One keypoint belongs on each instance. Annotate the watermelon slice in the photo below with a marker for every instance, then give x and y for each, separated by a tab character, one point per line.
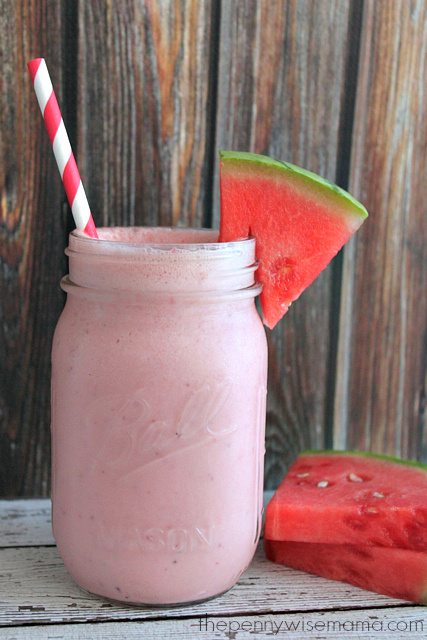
351	498
398	573
299	220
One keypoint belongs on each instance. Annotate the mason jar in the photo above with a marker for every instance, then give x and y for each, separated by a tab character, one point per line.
159	370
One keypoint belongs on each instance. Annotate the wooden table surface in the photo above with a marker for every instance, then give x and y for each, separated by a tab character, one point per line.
38	599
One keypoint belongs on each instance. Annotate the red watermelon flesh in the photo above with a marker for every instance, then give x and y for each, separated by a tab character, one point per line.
398	573
299	220
351	498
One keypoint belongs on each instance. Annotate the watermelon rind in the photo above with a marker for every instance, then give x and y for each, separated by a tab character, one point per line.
266	163
365	454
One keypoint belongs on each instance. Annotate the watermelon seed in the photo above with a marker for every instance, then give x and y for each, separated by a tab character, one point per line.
377	495
354	478
371	510
322	483
302	475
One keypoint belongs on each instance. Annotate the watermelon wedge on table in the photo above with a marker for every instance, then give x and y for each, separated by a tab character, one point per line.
355	517
351	498
300	221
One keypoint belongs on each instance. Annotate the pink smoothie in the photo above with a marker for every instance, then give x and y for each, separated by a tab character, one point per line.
159	372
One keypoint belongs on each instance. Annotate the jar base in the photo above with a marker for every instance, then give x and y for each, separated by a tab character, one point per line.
149	605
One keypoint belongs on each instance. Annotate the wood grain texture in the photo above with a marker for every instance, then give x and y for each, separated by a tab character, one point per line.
382	366
374	623
25	523
281	91
144	110
32	235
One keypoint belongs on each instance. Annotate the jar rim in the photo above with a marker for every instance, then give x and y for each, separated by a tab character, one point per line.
161	266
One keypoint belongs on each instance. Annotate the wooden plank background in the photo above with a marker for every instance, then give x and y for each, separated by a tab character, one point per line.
150	90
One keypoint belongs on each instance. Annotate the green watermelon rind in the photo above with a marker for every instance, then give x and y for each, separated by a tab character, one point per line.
367	454
264	163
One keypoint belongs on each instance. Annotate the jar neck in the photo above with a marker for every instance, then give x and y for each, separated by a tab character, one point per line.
156	261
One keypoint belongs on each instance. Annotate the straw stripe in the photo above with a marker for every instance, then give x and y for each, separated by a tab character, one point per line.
71	180
61	146
33	66
52	118
42	85
90	228
80	207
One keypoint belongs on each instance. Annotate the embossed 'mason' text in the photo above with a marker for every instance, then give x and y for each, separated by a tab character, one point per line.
156	539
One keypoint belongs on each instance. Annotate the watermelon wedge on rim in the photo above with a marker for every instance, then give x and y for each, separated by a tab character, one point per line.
300	221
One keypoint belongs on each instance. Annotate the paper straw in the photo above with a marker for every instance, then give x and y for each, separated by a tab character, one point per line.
61	147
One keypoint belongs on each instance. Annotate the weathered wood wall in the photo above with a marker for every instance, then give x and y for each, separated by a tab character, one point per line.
150	90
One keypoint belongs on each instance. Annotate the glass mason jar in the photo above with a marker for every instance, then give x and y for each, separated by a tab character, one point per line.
159	370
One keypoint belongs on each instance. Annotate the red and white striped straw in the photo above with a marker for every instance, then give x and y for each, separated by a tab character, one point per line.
61	147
